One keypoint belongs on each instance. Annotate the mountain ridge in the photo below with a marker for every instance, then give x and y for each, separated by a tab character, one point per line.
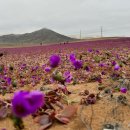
43	35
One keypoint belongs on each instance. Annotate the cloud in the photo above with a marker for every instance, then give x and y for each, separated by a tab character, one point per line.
65	16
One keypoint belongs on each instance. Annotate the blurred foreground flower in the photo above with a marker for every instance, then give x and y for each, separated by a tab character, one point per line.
25	103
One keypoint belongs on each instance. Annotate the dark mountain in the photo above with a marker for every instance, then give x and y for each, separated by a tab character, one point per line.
41	36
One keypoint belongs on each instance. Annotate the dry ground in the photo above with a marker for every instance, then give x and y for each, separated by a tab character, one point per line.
102	112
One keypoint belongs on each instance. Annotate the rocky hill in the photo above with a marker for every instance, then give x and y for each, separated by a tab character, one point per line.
40	36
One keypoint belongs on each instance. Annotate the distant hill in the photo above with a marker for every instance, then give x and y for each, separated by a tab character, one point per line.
40	36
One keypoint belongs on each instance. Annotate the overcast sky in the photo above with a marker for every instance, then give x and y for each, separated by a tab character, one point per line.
66	16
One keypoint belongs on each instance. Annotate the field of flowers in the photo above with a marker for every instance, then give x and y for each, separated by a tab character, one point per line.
72	86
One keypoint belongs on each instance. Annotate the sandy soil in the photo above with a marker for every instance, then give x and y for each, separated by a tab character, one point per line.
102	113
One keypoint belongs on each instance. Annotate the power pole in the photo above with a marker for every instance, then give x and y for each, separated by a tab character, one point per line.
80	34
101	31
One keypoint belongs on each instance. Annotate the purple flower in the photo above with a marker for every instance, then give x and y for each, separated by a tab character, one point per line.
43	66
54	61
51	80
35	68
103	73
101	64
72	57
90	50
48	69
25	103
113	63
117	56
68	77
9	81
115	75
23	66
116	67
123	89
77	64
87	68
97	51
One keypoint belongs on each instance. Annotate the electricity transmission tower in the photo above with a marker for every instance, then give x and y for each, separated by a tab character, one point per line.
101	31
80	34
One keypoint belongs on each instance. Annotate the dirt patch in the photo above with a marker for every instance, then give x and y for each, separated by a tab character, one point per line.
103	112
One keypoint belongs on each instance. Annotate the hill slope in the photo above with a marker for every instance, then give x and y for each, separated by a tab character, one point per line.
43	35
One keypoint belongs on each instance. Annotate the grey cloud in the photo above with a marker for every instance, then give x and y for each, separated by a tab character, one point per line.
66	16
